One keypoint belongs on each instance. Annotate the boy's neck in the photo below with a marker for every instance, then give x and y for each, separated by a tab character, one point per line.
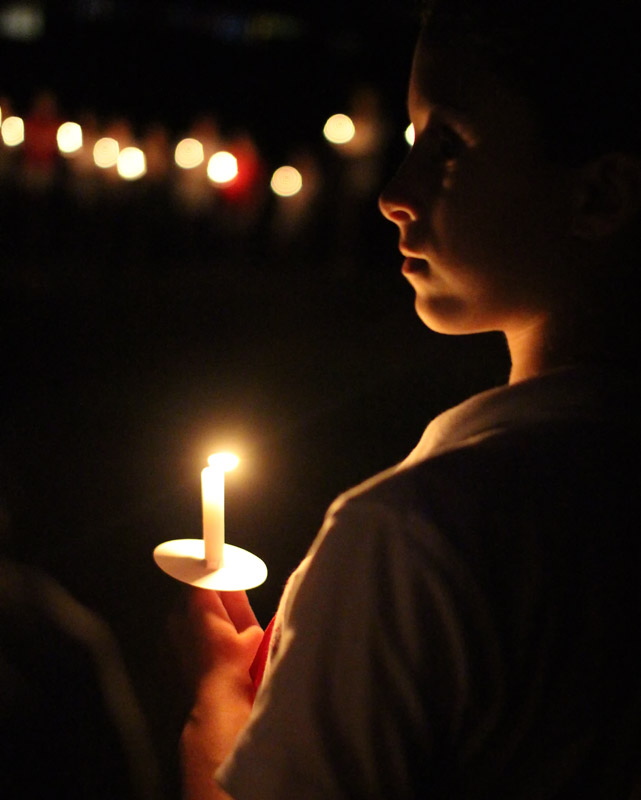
530	353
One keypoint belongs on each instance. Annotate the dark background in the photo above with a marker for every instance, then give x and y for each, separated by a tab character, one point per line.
134	345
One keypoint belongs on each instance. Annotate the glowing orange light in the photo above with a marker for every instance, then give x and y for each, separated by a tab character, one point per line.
69	137
286	181
13	131
223	461
410	134
105	152
222	167
189	153
339	129
131	163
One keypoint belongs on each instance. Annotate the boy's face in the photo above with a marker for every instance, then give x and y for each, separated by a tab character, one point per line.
483	214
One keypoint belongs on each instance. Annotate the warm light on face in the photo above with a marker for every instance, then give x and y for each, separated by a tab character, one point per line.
189	153
69	137
410	134
286	181
222	167
105	152
339	129
13	131
223	461
131	163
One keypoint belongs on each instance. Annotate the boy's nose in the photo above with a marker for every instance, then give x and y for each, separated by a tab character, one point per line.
394	211
395	202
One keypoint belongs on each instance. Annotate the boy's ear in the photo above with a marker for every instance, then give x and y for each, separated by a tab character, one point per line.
608	195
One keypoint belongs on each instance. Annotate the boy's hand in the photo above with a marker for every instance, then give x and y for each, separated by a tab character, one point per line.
223	638
224	631
214	632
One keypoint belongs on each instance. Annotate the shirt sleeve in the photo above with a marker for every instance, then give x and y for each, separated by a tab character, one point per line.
371	675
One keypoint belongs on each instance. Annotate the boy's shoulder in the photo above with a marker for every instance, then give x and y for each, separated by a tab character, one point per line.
535	471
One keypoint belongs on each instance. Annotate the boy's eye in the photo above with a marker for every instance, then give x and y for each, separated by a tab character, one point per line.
442	140
449	144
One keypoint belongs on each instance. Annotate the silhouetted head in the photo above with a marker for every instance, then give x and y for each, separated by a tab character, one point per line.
579	63
518	206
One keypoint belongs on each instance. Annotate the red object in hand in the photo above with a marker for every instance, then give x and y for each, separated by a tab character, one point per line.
257	669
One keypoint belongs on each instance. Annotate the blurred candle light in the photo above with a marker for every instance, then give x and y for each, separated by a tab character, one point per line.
13	131
105	152
69	138
286	181
339	129
131	163
213	490
22	21
410	134
222	167
189	153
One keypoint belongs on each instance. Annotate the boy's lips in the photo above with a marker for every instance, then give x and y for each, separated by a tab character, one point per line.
413	265
414	262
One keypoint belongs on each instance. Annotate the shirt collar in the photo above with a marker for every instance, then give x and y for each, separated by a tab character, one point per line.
569	393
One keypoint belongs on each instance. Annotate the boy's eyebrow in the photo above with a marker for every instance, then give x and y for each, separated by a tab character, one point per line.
446	90
452	111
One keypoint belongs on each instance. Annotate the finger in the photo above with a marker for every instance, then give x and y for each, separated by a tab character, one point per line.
239	610
205	601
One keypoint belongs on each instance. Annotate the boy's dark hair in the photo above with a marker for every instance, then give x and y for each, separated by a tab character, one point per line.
579	63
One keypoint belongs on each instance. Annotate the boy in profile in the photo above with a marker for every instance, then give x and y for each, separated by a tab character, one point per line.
466	624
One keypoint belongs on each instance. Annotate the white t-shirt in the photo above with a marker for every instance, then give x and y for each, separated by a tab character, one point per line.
449	630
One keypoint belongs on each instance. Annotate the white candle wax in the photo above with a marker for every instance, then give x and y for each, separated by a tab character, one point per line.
213	490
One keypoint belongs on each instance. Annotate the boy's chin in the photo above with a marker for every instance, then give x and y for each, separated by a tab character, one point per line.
444	315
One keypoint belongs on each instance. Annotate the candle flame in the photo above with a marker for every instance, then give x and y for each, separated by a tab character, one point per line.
223	461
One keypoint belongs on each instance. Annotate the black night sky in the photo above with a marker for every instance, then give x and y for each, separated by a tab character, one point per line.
277	67
135	338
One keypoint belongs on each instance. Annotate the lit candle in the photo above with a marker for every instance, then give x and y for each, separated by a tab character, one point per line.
213	485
